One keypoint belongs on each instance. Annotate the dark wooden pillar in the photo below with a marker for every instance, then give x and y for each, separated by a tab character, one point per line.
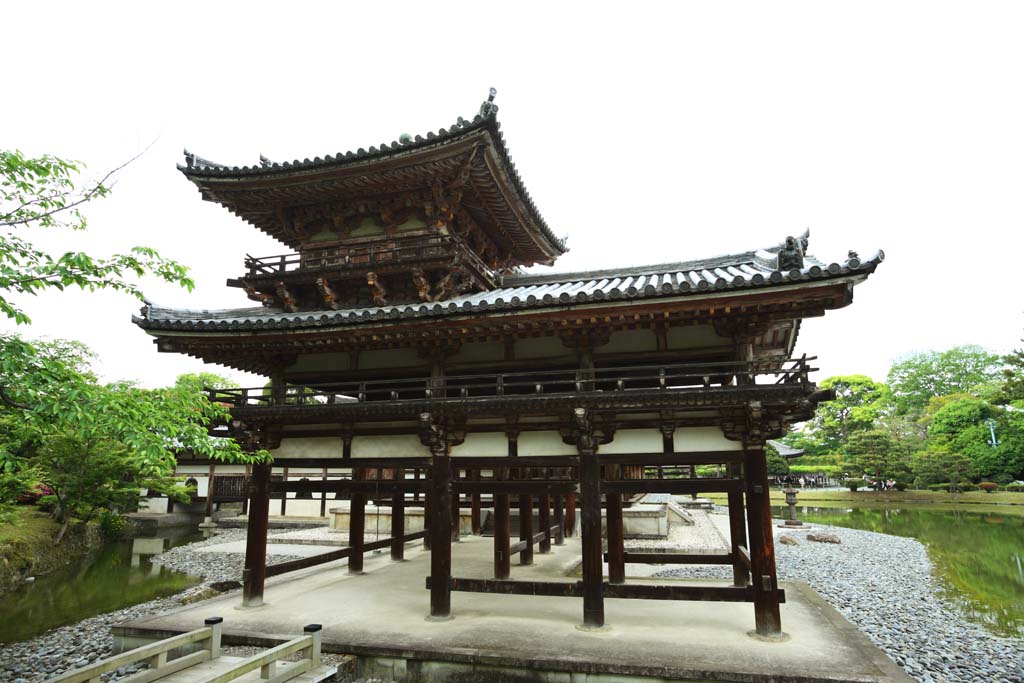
456	509
544	520
616	531
323	495
502	561
356	526
762	545
397	520
245	502
255	571
526	528
593	566
209	490
475	507
570	514
737	530
284	494
441	535
427	512
559	502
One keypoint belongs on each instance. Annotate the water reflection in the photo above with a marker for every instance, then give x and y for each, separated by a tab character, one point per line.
117	575
977	555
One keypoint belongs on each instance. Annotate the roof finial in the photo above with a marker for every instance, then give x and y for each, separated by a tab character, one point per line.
489	108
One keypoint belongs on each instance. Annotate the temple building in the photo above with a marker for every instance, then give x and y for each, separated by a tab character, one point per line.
407	350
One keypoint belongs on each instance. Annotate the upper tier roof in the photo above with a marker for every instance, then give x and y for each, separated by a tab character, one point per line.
471	154
746	271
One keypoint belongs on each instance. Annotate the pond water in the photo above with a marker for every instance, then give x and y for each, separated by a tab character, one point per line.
978	556
116	576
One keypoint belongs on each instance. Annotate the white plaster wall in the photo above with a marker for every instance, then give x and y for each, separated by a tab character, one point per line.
393	446
634	441
309	447
703	439
483	445
299	507
544	443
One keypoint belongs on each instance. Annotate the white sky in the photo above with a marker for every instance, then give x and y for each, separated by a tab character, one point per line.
646	132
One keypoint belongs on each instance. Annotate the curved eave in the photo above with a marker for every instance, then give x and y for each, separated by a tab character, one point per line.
209	177
513	299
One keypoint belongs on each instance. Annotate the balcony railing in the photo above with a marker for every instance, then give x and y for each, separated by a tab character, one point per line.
375	254
539	383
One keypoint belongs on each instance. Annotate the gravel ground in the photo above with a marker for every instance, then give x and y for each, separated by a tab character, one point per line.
884	585
76	645
702	537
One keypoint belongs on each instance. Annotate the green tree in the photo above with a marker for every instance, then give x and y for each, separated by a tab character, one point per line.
777	465
965	424
918	378
860	402
940	466
1012	387
41	193
877	454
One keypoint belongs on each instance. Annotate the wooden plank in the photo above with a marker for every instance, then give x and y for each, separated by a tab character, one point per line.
690	458
488	463
168	668
708	485
265	658
744	557
548	588
303	563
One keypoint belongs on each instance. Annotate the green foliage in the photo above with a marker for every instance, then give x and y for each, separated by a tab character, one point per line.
777	465
854	484
829	470
41	193
112	524
933	467
916	379
875	453
204	380
962	424
860	401
988	486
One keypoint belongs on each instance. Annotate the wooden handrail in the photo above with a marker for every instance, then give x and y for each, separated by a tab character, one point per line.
267	660
156	653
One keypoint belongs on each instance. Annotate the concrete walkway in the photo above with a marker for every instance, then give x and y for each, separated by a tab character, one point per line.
380	616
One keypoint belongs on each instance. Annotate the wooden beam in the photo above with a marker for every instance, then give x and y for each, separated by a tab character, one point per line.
349	486
535	487
654	459
575	589
673	558
709	485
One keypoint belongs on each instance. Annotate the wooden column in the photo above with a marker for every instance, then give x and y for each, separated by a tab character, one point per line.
427	517
526	528
475	507
570	514
502	561
209	490
767	620
616	531
559	519
356	526
323	495
544	519
440	531
245	502
737	529
255	571
397	520
593	570
284	494
456	510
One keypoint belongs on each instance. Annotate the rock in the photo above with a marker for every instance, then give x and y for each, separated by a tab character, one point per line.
224	586
823	538
788	540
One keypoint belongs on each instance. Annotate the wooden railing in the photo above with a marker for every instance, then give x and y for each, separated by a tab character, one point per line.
379	253
550	382
155	655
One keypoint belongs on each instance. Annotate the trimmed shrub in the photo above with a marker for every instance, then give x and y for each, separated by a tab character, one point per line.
1015	488
902	485
939	487
966	486
854	484
988	486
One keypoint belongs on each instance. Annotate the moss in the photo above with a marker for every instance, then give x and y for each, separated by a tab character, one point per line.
26	546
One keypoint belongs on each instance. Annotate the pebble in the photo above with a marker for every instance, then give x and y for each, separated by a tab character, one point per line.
884	585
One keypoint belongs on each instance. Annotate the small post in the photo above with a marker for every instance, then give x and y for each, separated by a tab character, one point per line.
314	631
475	508
216	625
356	532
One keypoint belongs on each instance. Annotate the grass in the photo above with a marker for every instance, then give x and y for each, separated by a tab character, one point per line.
29	526
1005	502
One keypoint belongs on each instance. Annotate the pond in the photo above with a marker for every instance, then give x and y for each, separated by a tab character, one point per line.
978	556
114	577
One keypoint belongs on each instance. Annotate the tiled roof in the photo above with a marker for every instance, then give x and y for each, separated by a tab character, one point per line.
197	168
745	271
